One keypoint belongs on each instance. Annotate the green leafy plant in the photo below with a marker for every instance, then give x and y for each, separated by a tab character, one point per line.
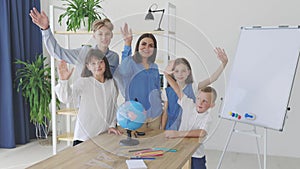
77	10
34	80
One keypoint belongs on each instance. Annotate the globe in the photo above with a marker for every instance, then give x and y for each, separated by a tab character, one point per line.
131	115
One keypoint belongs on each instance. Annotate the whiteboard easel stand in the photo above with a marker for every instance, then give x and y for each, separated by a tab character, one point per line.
250	133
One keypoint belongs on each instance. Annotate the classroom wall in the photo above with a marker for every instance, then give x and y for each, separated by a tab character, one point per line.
203	25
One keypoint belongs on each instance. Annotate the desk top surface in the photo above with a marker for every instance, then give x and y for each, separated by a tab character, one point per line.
104	151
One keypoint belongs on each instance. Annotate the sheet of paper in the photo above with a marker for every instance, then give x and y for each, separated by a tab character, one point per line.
136	164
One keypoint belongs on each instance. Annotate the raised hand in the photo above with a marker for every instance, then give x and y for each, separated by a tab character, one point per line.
221	55
40	19
127	34
223	58
168	69
63	71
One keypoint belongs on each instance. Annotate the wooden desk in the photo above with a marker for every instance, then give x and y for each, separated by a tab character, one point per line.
104	151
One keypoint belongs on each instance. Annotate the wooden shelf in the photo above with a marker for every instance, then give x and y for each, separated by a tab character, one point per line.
66	137
90	32
68	111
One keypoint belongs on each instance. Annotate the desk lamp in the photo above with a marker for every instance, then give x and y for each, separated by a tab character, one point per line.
150	16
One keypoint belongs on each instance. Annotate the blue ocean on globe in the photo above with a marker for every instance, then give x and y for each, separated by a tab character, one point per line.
131	115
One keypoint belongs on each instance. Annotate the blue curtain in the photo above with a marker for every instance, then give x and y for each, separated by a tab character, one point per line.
19	39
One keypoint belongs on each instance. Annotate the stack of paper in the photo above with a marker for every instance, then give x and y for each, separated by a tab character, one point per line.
136	164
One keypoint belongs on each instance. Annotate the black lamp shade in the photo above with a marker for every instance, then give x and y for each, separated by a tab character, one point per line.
149	16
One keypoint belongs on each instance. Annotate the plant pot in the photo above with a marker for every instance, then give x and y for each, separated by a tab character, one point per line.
47	141
84	24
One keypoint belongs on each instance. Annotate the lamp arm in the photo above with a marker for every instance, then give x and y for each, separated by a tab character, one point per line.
160	10
162	15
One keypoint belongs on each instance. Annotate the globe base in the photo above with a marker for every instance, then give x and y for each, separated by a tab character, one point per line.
129	142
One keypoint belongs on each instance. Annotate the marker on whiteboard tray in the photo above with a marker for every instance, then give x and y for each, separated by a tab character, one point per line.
232	114
250	116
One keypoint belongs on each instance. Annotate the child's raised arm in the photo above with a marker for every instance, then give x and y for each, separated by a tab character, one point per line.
62	89
168	71
223	58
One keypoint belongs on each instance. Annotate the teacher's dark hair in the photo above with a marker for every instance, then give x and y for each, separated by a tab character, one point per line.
137	57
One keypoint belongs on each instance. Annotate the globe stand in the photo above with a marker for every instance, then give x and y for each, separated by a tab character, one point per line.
129	141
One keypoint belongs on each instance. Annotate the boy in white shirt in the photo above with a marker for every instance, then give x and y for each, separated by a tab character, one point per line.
195	118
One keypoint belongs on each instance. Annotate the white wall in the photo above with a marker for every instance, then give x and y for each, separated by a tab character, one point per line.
201	25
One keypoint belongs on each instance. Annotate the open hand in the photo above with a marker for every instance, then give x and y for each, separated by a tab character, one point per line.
127	34
221	55
169	68
40	19
63	71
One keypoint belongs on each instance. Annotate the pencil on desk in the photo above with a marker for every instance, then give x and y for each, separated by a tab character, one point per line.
142	158
139	149
150	153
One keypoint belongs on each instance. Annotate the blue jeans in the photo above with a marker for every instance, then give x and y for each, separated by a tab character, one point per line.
198	163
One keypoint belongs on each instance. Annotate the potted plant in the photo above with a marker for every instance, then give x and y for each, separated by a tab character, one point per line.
81	12
34	80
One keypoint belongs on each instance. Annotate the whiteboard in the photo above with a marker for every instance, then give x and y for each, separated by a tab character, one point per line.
262	76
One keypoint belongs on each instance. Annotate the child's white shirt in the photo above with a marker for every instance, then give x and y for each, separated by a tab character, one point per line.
192	120
164	93
97	111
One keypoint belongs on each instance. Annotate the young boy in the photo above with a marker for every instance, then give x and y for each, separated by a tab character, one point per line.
195	118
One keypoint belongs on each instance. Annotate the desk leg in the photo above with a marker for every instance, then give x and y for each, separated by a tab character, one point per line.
187	165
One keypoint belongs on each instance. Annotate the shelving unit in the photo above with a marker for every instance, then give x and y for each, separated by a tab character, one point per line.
169	45
67	112
68	135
